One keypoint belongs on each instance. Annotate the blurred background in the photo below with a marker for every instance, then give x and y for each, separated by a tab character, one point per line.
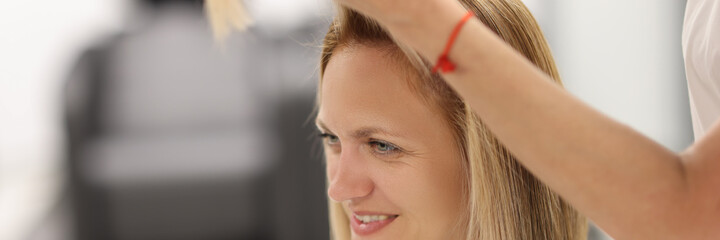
123	119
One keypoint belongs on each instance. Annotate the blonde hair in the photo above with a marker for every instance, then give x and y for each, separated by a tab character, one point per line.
503	199
224	15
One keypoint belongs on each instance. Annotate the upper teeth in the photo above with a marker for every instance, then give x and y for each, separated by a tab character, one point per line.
371	218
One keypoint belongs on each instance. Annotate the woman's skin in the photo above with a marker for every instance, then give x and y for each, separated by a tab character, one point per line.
388	152
629	185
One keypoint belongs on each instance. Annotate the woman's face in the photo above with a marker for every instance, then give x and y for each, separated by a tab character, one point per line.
392	161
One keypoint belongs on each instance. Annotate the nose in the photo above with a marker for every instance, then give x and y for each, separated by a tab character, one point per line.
348	176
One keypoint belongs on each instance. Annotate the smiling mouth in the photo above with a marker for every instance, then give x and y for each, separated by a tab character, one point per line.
365	219
364	224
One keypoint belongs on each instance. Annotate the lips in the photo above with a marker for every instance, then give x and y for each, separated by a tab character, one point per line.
366	223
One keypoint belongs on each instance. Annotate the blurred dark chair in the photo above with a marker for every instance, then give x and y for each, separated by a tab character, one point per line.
172	137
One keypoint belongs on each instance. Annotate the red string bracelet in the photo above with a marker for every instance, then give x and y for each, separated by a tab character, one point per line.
444	65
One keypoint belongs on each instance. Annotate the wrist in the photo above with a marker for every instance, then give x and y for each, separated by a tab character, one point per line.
420	13
426	28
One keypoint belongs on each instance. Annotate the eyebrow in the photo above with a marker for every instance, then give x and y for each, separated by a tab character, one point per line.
363	132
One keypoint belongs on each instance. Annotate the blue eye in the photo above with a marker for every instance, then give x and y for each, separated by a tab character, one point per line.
383	147
331	139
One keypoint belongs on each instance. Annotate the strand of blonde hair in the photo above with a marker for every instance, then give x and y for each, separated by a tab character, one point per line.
226	16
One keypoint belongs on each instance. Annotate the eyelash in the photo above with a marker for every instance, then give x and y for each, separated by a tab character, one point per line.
373	143
326	136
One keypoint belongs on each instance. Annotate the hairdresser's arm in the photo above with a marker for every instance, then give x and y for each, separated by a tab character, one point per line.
628	184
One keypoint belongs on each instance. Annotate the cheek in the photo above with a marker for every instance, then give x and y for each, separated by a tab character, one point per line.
430	194
448	182
447	177
449	188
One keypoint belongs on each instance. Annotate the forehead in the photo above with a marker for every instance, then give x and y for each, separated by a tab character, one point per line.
366	86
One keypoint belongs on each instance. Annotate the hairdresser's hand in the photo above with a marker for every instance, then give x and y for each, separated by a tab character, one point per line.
423	25
399	12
